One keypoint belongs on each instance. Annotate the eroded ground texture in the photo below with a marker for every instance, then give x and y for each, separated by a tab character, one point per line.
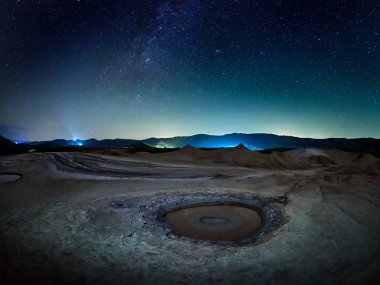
79	218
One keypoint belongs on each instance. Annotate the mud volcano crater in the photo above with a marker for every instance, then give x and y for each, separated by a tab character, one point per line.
215	222
217	218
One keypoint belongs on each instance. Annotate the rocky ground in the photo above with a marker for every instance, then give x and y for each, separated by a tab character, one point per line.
82	218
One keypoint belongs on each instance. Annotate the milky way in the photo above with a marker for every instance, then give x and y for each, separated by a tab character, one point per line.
136	69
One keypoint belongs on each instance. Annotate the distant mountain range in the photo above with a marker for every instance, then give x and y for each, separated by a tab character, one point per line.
252	141
265	141
91	143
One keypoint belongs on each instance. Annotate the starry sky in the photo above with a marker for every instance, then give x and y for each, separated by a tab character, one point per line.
137	69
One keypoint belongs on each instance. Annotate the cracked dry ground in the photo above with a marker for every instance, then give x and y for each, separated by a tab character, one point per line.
59	226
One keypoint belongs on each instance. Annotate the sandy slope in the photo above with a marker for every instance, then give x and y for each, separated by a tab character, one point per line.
241	156
57	225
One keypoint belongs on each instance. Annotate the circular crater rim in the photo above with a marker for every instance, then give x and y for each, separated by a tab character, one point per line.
268	208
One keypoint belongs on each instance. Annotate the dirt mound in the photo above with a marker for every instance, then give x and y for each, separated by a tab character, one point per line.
234	156
189	149
341	157
366	158
301	153
285	160
321	160
241	156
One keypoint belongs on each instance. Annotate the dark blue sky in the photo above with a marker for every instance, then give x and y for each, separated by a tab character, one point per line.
136	69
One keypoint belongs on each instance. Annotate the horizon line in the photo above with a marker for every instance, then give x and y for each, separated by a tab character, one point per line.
197	134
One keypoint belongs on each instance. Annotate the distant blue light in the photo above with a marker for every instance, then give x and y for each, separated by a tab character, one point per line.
76	142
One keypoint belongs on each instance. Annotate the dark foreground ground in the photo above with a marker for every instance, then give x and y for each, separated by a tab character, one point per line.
82	218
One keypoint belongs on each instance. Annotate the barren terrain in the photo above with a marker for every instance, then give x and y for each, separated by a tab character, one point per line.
79	217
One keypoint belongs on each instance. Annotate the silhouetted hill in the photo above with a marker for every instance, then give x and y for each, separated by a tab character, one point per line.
266	141
7	146
93	143
4	142
251	141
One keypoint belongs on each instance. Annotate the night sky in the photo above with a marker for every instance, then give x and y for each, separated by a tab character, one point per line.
137	69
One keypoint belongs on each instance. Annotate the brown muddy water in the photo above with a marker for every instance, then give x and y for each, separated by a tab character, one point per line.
215	222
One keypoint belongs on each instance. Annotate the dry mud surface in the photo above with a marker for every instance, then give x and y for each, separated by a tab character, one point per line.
89	218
